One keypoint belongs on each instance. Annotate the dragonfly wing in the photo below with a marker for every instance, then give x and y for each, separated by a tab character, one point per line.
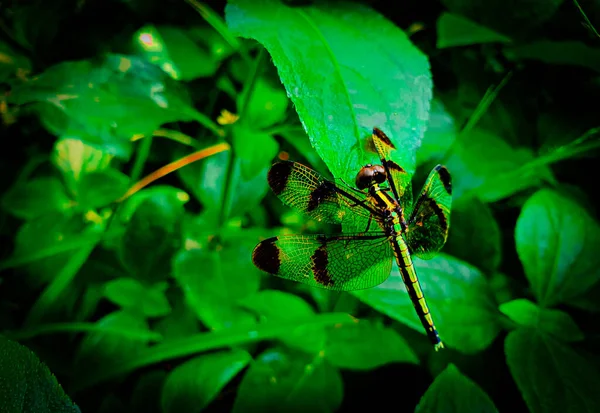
398	178
430	219
344	262
307	191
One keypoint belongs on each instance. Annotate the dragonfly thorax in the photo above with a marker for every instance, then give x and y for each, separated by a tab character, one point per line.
370	175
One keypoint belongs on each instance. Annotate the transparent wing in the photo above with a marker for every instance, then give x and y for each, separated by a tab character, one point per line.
430	220
335	262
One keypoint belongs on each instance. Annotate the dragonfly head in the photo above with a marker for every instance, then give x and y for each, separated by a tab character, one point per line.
370	175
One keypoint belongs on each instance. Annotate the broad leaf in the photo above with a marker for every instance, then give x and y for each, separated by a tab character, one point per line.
37	197
266	106
351	346
453	392
557	53
455	30
131	294
193	385
550	375
288	381
458	296
557	243
554	322
368	74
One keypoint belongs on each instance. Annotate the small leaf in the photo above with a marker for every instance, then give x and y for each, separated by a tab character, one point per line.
27	384
557	243
176	52
475	235
484	165
256	149
151	237
458	296
181	322
131	294
451	392
374	76
191	386
35	198
278	306
289	381
11	62
455	30
555	322
439	136
351	346
550	375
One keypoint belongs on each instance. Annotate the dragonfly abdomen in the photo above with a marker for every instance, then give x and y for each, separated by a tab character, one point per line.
413	287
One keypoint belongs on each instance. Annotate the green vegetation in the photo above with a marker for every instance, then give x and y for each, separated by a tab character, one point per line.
137	137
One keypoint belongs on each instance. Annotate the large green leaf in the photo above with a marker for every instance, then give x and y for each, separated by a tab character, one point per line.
475	234
351	346
550	375
106	103
37	197
455	30
280	380
346	69
27	386
453	392
459	298
193	385
554	322
557	242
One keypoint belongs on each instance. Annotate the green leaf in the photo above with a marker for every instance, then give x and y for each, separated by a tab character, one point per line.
484	165
458	296
11	62
568	53
351	346
554	322
178	52
374	76
180	322
455	30
550	375
212	291
193	385
131	294
151	237
98	189
102	348
266	106
37	197
451	392
288	381
475	235
557	243
439	136
207	180
256	149
27	386
277	306
106	103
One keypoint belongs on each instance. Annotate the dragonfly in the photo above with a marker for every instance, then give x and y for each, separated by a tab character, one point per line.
380	225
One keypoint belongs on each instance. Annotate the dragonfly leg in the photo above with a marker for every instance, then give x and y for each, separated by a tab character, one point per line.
369	223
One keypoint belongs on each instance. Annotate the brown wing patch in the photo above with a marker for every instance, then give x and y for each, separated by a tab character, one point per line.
266	256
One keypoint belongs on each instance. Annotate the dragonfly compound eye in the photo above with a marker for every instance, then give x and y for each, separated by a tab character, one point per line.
370	174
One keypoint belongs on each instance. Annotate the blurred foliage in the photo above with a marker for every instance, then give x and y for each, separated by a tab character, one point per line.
137	138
